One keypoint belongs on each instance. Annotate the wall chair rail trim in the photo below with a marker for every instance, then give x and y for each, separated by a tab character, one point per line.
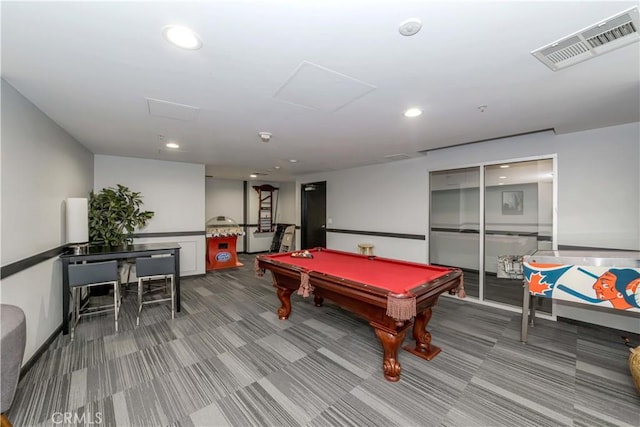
169	234
378	234
23	264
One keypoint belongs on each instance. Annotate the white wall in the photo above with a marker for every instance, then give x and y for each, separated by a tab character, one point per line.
224	197
388	247
42	165
456	208
598	180
390	197
287	203
259	242
495	219
175	191
545	209
459	209
598	192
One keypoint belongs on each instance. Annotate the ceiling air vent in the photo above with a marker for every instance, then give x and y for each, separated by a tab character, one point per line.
610	34
395	157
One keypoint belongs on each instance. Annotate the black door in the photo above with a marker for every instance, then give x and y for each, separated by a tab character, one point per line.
314	213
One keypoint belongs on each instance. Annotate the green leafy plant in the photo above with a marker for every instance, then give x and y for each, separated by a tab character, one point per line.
114	214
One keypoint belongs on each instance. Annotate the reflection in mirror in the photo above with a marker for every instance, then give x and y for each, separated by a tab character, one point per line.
518	219
455	223
518	214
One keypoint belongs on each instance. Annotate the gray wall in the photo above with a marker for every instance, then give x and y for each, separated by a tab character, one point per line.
390	197
42	165
598	177
598	188
174	191
598	180
598	199
225	197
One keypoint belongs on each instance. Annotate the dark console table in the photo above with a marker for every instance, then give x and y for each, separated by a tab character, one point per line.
108	253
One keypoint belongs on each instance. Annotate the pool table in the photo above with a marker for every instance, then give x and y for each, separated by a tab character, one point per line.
392	295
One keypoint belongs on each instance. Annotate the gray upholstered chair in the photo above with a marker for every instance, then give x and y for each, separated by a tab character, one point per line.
153	268
14	336
86	276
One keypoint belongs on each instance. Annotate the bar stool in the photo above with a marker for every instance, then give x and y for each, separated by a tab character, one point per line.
154	268
89	275
365	248
126	265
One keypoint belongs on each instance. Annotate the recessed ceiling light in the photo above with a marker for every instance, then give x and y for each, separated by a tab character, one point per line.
292	160
276	167
504	166
413	112
253	175
501	183
182	37
502	177
172	145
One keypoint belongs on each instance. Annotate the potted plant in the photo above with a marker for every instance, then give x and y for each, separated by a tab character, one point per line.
114	214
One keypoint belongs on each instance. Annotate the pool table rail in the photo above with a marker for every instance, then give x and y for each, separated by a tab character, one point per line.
369	302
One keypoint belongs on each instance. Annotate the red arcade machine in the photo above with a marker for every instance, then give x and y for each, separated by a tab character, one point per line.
222	234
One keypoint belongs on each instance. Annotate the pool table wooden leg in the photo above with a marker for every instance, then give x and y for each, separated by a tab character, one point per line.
423	347
284	295
390	345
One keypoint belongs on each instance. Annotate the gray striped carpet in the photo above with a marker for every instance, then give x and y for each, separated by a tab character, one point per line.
227	360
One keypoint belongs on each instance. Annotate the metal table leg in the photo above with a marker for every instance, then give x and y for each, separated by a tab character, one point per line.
525	311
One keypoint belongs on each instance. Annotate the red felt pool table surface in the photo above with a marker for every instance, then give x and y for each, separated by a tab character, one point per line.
388	274
391	294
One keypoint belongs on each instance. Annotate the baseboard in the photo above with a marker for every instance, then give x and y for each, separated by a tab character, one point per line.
45	346
40	351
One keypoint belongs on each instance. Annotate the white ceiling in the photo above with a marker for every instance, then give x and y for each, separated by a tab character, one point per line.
329	79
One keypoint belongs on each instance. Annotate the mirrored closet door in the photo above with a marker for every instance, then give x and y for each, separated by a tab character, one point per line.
484	219
454	235
518	220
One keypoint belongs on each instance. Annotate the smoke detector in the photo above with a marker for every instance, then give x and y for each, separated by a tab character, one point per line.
410	27
613	33
265	136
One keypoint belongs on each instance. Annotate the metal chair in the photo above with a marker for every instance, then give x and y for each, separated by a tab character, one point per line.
125	265
154	268
89	275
